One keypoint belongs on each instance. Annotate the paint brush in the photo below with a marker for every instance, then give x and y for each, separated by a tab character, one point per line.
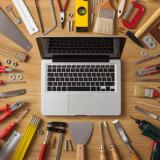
105	20
141	91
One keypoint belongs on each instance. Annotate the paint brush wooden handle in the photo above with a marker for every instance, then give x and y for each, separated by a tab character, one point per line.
115	153
80	152
133	155
146	25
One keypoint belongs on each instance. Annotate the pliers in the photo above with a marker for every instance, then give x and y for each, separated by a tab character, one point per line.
62	12
10	109
6	69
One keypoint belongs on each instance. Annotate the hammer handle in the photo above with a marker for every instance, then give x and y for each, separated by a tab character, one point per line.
142	29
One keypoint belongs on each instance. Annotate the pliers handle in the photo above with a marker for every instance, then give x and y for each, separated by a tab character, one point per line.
60	5
6	131
3	69
7	112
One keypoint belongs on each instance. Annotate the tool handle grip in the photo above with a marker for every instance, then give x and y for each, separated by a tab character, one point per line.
4	108
5	115
115	154
80	152
43	152
6	131
133	155
1	82
2	69
103	154
148	23
66	5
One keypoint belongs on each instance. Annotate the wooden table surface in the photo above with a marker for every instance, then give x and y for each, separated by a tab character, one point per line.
32	75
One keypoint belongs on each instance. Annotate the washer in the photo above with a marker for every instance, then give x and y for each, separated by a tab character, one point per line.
19	76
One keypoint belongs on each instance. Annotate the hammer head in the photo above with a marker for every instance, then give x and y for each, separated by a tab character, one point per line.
134	38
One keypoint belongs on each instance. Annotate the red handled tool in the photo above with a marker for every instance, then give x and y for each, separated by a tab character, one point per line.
6	131
44	147
137	17
6	69
62	11
151	70
10	109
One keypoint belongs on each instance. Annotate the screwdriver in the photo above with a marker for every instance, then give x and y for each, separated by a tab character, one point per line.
6	131
9	82
112	145
44	146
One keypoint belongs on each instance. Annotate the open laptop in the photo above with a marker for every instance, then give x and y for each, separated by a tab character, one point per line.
81	75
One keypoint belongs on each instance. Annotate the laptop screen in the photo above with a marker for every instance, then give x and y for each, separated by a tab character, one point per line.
81	47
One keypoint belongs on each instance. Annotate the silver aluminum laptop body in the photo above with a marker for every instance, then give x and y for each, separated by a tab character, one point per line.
71	103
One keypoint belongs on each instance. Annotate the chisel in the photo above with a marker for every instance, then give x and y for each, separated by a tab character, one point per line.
112	145
123	136
148	113
102	146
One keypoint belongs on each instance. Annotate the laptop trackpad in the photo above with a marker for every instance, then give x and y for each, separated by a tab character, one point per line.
80	104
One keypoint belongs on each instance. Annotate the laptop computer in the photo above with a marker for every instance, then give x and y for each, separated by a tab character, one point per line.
80	75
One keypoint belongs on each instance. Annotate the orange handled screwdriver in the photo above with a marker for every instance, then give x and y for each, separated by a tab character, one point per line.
6	131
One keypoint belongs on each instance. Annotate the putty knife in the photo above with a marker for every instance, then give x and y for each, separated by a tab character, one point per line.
80	133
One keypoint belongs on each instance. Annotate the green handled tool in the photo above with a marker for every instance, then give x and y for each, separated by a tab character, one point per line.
151	131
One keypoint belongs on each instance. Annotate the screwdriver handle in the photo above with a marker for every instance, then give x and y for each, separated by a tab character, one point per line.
1	83
43	152
6	131
114	153
5	115
133	155
103	154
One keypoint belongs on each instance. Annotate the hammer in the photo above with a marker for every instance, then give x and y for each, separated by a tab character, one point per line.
135	37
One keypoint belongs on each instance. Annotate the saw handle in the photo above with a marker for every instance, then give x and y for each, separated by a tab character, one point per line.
80	152
146	25
115	153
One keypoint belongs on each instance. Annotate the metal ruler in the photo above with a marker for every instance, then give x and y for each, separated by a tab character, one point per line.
10	30
26	16
10	145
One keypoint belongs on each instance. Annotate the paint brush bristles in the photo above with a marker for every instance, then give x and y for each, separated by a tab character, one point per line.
139	91
105	20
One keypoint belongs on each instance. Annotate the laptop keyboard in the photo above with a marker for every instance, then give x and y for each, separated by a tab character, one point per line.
81	78
80	45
